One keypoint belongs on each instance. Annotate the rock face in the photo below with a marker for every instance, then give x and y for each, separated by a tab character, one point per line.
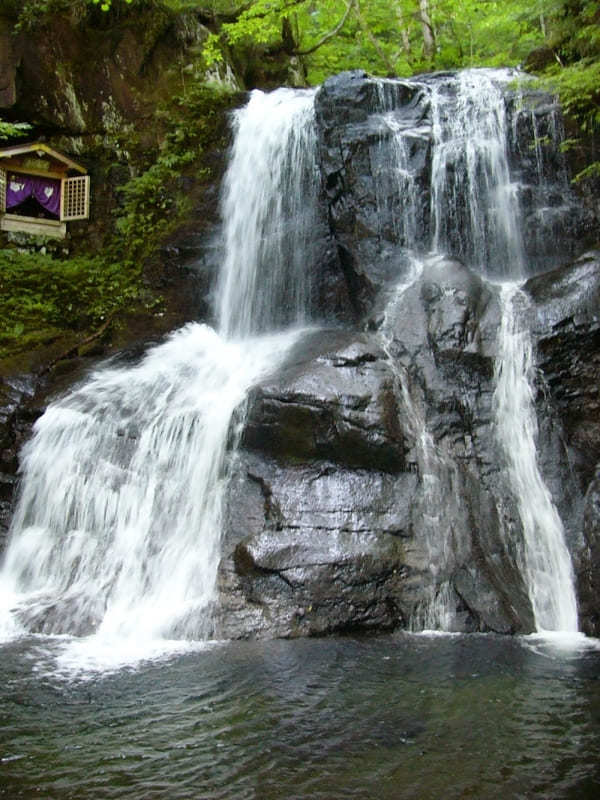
566	325
340	508
368	171
14	426
370	488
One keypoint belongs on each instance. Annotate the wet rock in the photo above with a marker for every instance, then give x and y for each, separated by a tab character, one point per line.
589	578
566	329
368	173
325	553
15	427
558	225
334	400
566	326
354	139
331	508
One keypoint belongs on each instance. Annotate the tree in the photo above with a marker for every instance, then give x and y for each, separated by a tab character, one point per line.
427	30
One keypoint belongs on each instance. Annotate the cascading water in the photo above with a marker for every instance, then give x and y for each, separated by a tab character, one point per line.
474	215
474	202
545	560
118	525
270	211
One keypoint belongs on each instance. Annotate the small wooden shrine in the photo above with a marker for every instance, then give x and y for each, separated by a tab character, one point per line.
41	190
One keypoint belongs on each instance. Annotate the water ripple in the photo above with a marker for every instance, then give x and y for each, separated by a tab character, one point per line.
393	718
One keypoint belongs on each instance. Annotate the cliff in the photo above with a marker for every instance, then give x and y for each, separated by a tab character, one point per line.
337	509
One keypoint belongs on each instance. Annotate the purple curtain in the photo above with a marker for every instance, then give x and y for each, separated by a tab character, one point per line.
18	189
45	190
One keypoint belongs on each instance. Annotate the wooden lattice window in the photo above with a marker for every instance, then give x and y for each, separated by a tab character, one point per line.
75	198
2	191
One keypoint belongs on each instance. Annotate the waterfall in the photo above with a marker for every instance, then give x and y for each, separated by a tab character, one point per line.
475	215
118	525
474	201
545	560
270	210
119	521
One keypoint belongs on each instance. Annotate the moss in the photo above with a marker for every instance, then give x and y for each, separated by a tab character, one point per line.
44	298
154	203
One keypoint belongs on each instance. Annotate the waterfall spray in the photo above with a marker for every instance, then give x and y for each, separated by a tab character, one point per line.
119	521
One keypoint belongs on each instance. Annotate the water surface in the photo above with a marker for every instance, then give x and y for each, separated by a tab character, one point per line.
392	717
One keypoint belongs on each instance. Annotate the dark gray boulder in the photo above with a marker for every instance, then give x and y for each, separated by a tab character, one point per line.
589	576
326	552
332	507
16	419
565	326
334	400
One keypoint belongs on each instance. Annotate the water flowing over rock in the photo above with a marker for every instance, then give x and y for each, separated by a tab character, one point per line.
420	457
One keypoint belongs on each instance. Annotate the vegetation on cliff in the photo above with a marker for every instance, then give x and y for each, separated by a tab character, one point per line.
50	296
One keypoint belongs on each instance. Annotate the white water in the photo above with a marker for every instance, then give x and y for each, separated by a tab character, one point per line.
269	210
545	559
474	202
119	521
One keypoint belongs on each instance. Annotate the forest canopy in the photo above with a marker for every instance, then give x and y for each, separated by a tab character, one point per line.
387	37
558	39
397	36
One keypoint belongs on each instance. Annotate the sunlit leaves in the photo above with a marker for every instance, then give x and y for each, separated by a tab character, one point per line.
12	130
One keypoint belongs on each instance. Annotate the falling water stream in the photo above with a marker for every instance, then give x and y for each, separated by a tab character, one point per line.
118	525
545	560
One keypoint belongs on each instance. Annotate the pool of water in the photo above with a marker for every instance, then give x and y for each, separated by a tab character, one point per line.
406	716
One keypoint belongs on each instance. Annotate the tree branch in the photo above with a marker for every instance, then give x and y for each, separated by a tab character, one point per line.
363	24
334	32
74	351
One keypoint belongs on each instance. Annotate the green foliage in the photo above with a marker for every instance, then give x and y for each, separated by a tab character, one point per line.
41	296
384	37
154	203
106	4
13	130
151	207
574	40
579	88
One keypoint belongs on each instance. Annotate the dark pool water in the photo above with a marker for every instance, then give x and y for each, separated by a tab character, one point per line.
393	717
